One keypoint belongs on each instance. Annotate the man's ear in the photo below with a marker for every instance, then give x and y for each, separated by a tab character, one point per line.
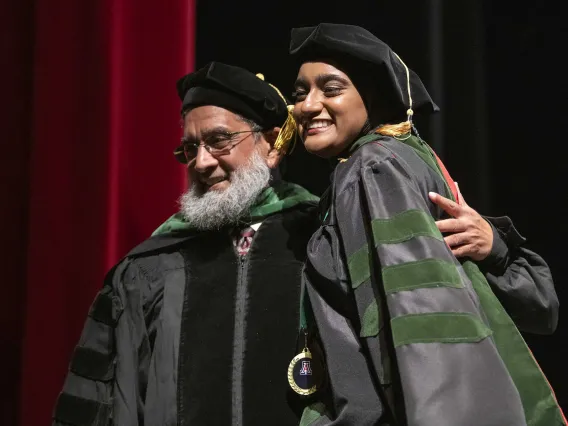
274	156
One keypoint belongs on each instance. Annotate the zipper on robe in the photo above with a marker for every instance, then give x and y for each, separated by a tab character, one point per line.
239	336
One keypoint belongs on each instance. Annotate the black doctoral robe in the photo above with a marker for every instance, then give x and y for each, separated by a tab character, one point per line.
185	332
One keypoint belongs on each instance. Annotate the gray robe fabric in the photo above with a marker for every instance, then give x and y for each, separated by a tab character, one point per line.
387	294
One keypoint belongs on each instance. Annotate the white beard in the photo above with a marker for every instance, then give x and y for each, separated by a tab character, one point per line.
215	209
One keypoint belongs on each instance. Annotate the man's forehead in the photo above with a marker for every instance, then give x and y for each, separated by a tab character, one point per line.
210	116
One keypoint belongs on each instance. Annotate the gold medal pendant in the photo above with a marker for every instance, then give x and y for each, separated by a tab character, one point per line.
305	373
301	374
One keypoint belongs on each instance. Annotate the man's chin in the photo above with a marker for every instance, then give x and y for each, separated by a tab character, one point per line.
200	189
219	186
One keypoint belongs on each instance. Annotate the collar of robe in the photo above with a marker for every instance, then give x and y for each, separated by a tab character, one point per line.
276	198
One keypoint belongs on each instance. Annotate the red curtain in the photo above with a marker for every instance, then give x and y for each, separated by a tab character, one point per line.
94	118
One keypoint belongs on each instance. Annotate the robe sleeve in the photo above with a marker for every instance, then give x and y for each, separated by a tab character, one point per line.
104	384
521	279
405	280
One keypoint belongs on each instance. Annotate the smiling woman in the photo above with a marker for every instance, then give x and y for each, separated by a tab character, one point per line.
328	109
411	334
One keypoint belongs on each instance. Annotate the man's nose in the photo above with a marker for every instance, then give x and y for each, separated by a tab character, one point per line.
204	161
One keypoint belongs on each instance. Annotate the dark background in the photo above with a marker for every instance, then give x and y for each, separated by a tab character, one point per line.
494	68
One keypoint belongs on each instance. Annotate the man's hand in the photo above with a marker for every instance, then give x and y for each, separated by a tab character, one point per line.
471	235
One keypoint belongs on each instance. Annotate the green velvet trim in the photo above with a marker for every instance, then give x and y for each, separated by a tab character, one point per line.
439	327
421	274
370	321
421	148
280	197
359	143
312	413
539	403
425	152
405	226
358	266
401	227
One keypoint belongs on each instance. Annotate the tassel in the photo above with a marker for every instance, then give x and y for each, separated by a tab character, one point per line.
288	131
287	135
395	130
404	128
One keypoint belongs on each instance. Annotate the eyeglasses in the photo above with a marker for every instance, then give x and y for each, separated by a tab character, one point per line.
217	144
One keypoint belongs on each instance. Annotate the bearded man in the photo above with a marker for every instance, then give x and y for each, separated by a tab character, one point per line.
198	324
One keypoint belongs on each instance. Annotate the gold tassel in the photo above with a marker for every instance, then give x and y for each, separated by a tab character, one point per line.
404	128
287	135
396	130
288	131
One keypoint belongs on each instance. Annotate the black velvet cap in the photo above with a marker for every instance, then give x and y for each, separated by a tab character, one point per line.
370	64
236	89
